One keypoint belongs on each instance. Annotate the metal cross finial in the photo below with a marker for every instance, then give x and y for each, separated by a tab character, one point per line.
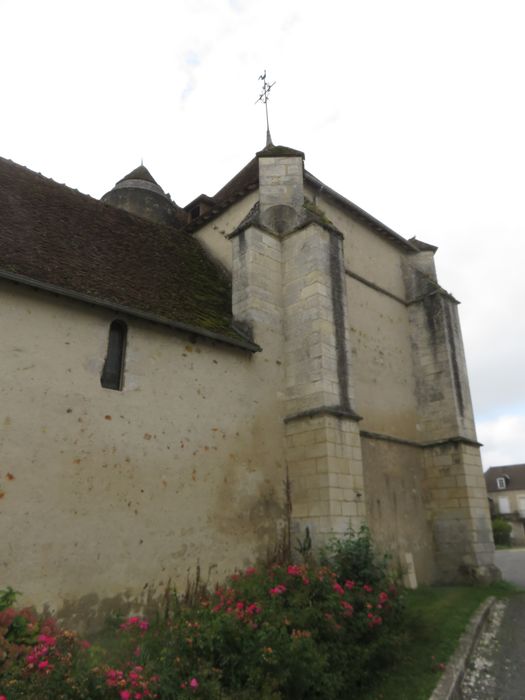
263	97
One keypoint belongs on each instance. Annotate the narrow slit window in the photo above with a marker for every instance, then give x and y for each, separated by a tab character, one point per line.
113	372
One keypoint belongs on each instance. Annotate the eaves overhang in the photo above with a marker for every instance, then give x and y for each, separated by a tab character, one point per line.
240	342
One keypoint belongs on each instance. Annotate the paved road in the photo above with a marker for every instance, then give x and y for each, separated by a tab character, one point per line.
496	669
512	565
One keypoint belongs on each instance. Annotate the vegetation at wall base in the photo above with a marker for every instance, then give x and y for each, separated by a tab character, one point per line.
279	632
435	619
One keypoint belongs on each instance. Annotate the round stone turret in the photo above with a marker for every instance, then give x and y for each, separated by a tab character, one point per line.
140	194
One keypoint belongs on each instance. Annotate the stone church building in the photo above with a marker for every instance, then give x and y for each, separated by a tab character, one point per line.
196	386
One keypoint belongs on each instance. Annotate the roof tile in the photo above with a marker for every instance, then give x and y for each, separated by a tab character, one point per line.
55	235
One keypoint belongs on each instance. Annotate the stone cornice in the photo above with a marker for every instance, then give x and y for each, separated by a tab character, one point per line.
374	286
456	439
435	292
253	220
337	411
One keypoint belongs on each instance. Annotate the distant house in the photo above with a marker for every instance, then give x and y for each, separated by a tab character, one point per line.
506	491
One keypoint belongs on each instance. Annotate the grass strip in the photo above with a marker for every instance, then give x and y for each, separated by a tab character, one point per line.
436	619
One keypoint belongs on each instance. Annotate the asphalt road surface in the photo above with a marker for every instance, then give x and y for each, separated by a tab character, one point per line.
496	669
511	562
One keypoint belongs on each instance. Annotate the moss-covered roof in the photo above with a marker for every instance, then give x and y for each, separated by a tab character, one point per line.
245	179
55	236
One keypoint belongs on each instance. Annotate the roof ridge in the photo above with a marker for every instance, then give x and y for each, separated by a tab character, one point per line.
46	178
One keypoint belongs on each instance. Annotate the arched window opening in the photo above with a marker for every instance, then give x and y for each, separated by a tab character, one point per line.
113	372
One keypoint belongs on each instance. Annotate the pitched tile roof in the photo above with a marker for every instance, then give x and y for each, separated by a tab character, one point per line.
54	237
248	179
515	480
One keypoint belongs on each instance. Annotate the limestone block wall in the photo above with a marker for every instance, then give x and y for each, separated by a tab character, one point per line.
455	487
317	341
411	386
282	290
378	319
280	182
367	252
326	475
457	500
404	371
385	388
396	505
288	280
109	496
442	390
257	283
322	434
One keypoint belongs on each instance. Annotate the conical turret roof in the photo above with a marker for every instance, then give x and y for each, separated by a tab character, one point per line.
140	173
140	178
139	193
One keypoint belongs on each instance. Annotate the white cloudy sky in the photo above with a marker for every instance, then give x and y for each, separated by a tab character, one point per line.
414	109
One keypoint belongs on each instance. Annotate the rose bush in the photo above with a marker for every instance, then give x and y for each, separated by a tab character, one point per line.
284	631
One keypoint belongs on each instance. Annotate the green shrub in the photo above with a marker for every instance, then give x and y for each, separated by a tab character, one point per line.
281	632
354	557
501	529
18	629
37	660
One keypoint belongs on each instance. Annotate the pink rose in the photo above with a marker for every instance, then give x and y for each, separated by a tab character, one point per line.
338	588
278	590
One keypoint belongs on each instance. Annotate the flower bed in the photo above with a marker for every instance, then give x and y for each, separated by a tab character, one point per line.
284	631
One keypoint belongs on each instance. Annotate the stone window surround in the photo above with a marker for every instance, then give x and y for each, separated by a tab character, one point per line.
113	371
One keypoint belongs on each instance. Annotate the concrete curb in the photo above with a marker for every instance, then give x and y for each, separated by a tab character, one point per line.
449	686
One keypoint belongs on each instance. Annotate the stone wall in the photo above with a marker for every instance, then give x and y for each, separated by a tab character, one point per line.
457	499
214	234
411	387
357	407
112	495
396	505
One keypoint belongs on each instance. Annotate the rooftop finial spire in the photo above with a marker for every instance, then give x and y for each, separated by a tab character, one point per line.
263	97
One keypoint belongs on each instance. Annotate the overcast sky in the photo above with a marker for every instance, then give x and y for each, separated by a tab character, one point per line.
414	110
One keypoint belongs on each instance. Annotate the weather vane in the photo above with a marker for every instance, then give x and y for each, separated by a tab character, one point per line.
263	97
